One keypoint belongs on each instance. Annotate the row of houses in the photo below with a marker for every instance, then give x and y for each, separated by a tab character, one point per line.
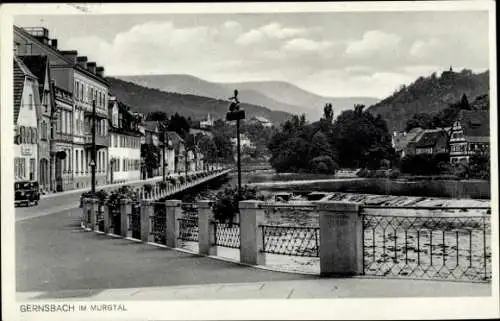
469	135
54	94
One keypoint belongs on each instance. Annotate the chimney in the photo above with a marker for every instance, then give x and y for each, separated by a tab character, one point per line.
53	44
70	54
100	71
91	67
81	61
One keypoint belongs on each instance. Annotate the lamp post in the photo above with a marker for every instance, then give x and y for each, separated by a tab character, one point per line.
235	113
163	149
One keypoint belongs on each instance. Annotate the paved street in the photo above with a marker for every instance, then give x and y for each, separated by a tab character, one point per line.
53	253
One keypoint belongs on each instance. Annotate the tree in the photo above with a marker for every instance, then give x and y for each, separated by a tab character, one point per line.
151	157
479	165
355	133
421	120
328	113
157	116
178	124
464	102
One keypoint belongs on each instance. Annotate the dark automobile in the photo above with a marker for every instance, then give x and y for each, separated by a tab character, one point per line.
26	192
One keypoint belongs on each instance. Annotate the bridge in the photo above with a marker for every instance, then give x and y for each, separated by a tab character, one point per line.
179	183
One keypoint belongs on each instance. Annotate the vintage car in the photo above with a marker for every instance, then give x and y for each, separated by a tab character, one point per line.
26	192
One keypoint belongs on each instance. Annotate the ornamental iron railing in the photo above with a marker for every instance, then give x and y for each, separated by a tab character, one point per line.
99	219
159	222
189	210
227	234
432	245
134	223
291	240
188	229
114	217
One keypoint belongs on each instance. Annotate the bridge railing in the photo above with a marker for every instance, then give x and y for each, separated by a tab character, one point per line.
348	238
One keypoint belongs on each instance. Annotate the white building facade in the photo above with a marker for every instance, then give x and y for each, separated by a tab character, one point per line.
125	144
26	111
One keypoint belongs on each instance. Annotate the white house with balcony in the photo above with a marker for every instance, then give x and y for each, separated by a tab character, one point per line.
26	112
125	144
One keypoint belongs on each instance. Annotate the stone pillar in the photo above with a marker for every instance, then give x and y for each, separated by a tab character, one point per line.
147	213
125	210
93	214
251	243
341	238
173	212
206	229
105	212
86	212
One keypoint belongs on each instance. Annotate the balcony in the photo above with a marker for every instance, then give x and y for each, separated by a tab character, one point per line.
99	113
62	137
100	141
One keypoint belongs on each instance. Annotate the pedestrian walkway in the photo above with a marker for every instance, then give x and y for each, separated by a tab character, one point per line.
301	289
53	253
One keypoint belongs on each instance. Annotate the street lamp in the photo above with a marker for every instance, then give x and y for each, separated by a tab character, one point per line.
235	113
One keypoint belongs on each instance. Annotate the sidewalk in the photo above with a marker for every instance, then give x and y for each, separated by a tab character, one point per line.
298	289
99	187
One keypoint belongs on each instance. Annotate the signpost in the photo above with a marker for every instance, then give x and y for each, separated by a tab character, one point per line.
235	113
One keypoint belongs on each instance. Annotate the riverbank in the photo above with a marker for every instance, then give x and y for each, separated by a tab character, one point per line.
465	189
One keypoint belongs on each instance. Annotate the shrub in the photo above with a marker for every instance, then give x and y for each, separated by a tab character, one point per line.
323	165
163	184
226	202
101	195
182	179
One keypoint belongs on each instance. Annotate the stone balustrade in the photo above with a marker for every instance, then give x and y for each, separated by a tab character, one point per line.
340	225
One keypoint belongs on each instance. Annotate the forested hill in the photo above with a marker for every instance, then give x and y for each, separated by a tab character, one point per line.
146	100
430	95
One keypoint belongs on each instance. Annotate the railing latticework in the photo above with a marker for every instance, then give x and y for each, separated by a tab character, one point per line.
159	223
114	217
100	217
285	239
432	245
188	229
291	240
135	220
227	235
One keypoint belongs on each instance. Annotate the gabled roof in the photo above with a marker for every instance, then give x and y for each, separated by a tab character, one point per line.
151	125
475	123
401	141
430	138
20	72
175	138
38	66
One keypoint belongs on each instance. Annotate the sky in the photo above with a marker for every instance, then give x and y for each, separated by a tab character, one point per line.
335	54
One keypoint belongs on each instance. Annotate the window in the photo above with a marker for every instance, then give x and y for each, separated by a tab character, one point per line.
44	130
19	168
77	164
30	102
81	161
32	169
16	48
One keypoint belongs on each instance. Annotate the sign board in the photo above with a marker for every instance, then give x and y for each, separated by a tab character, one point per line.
26	150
